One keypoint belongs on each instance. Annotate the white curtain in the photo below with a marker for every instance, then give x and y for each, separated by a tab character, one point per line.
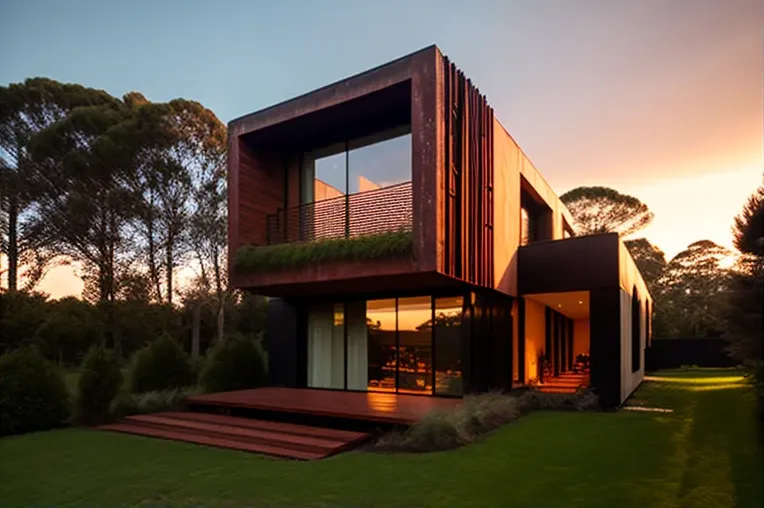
326	355
358	361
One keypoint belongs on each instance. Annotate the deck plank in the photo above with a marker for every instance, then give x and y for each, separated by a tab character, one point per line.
367	406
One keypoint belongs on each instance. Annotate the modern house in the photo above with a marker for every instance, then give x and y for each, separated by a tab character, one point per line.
410	246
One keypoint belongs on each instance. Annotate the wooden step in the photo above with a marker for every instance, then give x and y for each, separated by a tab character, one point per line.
251	423
259	436
284	440
555	389
142	430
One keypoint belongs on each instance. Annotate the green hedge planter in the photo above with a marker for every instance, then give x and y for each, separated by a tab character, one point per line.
251	259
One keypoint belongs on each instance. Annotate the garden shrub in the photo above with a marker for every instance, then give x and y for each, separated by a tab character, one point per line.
99	383
159	366
236	363
32	393
583	400
476	416
156	401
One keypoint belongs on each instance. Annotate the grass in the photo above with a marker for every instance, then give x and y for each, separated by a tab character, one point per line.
271	257
701	455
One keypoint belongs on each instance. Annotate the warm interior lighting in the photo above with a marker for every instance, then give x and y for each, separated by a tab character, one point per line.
580	302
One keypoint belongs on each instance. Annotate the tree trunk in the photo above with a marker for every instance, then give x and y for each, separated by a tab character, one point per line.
13	246
220	296
195	325
154	272
111	290
169	268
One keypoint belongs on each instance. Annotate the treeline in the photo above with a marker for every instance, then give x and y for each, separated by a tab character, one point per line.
130	192
694	291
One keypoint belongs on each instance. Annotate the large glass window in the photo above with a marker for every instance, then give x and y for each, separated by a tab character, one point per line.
326	346
404	345
415	345
448	345
380	160
382	358
372	173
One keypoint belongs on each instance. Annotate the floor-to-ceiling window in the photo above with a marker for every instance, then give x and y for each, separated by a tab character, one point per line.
448	332
404	345
357	187
326	346
382	344
415	345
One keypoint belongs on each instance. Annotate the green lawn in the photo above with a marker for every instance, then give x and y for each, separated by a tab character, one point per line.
701	455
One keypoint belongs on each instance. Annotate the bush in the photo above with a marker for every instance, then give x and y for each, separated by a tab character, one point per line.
160	366
32	393
477	415
236	363
150	402
443	430
99	383
584	400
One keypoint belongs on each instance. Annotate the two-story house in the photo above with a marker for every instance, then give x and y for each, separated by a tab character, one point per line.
409	245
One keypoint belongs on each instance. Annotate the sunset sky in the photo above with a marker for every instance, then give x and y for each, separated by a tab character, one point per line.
661	99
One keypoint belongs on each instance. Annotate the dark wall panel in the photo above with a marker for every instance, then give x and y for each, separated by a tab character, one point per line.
605	344
573	264
284	345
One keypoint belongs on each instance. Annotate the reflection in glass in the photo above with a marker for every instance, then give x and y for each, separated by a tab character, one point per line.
415	345
448	343
330	173
380	160
380	326
326	348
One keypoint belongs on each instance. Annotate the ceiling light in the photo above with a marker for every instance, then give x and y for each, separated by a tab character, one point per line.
559	305
580	302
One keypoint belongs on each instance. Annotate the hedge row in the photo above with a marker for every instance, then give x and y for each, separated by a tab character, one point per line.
33	395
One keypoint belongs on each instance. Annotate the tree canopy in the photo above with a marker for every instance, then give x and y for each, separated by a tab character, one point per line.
598	210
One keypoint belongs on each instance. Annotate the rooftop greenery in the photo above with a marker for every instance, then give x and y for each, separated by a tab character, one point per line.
273	257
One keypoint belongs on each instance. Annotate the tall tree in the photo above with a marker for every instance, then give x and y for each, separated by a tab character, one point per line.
650	260
85	204
599	210
203	151
744	320
694	290
27	109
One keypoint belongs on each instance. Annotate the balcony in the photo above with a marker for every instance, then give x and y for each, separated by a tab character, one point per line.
367	213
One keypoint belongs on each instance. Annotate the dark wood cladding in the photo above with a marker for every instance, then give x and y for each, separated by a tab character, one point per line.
468	203
260	191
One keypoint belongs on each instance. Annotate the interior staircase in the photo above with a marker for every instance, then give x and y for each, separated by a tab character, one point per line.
566	382
245	434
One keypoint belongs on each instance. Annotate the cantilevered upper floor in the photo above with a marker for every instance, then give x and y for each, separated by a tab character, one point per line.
397	177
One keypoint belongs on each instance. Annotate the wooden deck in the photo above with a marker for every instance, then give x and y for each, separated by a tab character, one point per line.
366	406
245	434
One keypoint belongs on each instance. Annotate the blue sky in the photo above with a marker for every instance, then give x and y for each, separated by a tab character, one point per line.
646	96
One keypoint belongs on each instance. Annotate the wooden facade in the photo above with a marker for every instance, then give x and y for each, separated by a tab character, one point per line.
469	183
468	190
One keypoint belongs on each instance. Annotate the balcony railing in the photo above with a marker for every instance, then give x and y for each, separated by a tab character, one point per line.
384	210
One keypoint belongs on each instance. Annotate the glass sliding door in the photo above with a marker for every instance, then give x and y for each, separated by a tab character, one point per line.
415	345
326	346
381	344
448	332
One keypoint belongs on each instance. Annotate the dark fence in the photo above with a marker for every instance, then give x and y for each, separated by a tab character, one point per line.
673	353
384	210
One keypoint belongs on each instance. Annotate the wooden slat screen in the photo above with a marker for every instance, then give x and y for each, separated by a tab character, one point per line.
469	183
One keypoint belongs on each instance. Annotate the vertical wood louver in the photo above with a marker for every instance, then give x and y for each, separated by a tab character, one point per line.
469	181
